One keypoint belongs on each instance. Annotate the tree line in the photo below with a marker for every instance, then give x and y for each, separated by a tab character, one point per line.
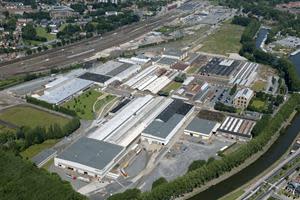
50	106
24	137
20	179
198	177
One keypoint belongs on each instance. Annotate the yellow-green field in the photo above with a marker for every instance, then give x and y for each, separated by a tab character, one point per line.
31	117
259	86
225	40
258	104
40	31
83	104
172	86
35	149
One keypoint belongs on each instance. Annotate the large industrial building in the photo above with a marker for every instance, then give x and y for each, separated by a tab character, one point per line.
96	154
151	79
167	123
65	90
90	157
201	128
236	128
110	71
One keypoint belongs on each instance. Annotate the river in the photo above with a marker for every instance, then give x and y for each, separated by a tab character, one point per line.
278	148
296	60
261	37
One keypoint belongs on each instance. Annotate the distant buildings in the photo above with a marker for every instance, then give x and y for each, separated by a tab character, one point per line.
62	12
242	98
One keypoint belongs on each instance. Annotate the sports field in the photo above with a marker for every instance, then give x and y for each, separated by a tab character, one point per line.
31	117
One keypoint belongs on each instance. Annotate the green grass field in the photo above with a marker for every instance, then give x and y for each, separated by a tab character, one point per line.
192	70
35	149
172	86
258	104
259	86
225	40
4	129
31	117
102	102
83	104
43	33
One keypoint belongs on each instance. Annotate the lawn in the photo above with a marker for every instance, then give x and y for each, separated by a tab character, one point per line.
192	69
258	104
172	86
102	102
166	29
83	104
225	40
42	32
31	117
35	149
4	129
259	86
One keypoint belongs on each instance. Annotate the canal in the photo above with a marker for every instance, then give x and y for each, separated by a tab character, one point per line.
261	37
277	149
296	60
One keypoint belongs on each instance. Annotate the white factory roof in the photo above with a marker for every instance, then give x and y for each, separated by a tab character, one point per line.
56	82
158	84
245	92
106	67
128	72
120	118
56	95
188	80
227	62
134	80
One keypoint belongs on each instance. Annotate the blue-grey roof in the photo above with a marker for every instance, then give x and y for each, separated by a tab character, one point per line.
167	61
38	159
201	125
91	152
162	129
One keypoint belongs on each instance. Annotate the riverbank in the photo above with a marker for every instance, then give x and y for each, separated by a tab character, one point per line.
245	164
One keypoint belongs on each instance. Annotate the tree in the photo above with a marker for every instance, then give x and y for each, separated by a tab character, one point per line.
196	164
159	182
130	194
28	32
233	90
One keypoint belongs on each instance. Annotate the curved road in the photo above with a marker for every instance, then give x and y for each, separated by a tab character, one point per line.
77	52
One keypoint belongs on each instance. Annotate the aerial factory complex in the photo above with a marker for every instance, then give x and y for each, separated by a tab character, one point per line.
124	96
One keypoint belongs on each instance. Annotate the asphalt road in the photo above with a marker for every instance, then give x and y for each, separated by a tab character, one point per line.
78	52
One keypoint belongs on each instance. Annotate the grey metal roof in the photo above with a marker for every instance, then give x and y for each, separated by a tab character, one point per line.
173	52
91	152
39	158
167	61
201	125
119	69
99	78
162	129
